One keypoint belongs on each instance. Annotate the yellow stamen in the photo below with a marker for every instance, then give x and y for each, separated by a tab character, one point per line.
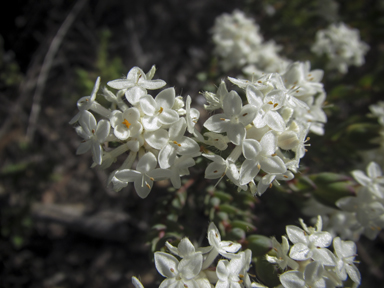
178	144
126	123
161	110
146	184
274	106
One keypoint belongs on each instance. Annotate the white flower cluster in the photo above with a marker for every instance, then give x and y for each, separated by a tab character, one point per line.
279	113
310	262
275	122
151	129
238	43
342	45
363	214
196	267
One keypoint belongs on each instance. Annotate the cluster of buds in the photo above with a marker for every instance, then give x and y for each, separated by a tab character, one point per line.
238	43
342	45
270	132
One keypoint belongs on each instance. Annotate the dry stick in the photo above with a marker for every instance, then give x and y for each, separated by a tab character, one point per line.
47	64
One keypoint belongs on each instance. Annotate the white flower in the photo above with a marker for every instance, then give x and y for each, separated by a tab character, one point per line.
180	168
281	257
185	249
342	45
159	111
309	244
377	110
144	175
313	277
93	134
126	124
85	103
228	272
136	84
260	155
178	274
346	253
374	179
233	120
224	248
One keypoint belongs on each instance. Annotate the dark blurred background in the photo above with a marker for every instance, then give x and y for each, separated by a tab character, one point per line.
61	226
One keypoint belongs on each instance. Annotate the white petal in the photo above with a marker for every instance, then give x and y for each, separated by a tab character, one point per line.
83	147
128	175
166	98
249	170
102	130
165	264
300	252
251	148
247	114
151	123
216	124
143	186
160	174
236	133
292	279
268	143
157	139
273	165
148	105
152	84
361	177
168	116
374	170
274	120
167	156
296	234
188	146
254	96
146	163
134	94
97	153
191	266
232	104
177	130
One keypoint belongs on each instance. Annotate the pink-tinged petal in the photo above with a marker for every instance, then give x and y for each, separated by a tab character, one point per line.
167	156
268	143
134	94
273	165
236	133
151	123
274	121
168	116
146	163
232	104
157	139
216	123
247	114
166	98
166	264
300	252
148	105
248	171
255	97
251	148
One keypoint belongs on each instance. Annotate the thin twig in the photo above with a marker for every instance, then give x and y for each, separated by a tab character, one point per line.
47	64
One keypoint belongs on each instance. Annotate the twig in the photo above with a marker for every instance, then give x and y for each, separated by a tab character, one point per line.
46	67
